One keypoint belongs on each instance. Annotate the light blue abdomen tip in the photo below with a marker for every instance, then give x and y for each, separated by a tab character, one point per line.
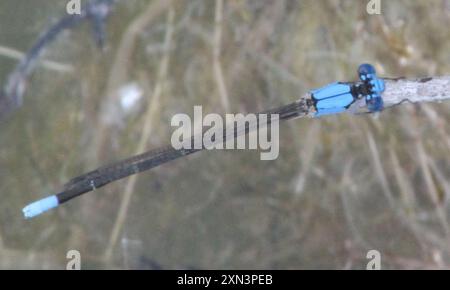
40	206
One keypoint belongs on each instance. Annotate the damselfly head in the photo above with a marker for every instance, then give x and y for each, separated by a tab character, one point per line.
365	70
373	87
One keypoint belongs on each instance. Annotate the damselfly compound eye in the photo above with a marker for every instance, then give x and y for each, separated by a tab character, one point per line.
366	69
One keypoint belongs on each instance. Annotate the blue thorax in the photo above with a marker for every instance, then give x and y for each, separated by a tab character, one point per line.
338	97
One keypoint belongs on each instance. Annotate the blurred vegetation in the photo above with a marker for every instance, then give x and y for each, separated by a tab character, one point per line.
342	185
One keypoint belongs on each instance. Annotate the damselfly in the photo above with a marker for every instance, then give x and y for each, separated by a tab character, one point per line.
331	99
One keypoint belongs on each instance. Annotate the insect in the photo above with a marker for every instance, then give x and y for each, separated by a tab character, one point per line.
331	99
339	96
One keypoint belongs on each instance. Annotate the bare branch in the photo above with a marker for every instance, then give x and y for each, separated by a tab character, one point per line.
217	64
48	64
432	89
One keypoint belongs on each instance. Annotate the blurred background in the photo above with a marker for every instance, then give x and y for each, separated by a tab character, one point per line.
342	185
